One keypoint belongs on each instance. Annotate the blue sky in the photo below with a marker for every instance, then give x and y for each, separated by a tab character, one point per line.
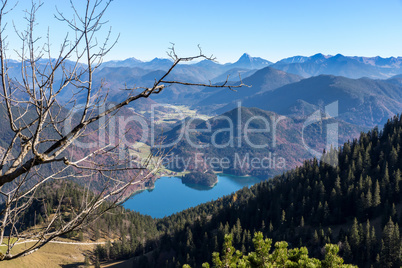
270	29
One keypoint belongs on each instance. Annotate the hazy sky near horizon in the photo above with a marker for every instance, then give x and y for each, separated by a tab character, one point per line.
270	29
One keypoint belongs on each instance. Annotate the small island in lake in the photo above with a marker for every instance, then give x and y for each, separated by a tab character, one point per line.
201	178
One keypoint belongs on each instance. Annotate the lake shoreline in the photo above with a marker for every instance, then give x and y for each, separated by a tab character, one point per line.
152	187
168	196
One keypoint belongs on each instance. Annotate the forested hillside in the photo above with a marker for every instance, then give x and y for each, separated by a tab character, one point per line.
244	135
355	204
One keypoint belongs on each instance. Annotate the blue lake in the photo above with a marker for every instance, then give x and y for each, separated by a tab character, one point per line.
171	195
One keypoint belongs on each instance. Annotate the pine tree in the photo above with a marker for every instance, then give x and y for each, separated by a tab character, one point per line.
354	235
283	217
237	232
391	245
385	185
367	241
326	211
377	196
347	251
397	184
338	184
367	158
271	227
368	200
189	242
359	163
394	214
316	239
216	244
393	157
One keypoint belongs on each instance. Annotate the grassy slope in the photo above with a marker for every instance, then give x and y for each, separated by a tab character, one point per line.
51	255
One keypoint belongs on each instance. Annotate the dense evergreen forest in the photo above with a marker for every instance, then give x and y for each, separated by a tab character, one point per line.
356	205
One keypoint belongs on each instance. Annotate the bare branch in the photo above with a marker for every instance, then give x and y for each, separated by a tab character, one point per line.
45	131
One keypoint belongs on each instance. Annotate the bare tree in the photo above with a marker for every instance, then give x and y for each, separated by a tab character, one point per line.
40	147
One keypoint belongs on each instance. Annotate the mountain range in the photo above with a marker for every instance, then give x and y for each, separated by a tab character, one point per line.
363	101
261	81
280	87
339	65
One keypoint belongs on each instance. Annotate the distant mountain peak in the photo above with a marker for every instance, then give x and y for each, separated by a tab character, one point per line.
245	58
320	56
245	55
160	59
246	61
133	59
128	62
339	56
